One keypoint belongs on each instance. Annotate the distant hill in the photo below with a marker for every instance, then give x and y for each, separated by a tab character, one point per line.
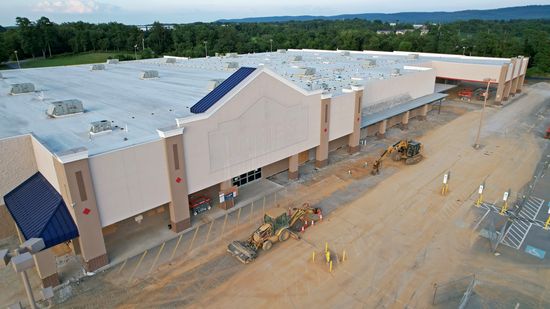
519	12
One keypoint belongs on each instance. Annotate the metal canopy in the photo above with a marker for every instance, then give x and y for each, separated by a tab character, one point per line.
39	211
219	92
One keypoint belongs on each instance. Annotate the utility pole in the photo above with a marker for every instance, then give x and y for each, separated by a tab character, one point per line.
476	144
17	58
271	44
205	49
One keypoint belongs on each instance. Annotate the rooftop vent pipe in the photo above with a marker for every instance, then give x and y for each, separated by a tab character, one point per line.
97	127
149	74
22	88
65	108
112	61
97	67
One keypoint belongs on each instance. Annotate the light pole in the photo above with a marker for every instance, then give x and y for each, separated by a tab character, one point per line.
486	95
135	51
22	260
205	49
271	44
17	58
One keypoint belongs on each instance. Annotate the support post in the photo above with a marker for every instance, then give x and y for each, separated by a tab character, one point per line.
382	128
353	140
405	120
423	112
293	173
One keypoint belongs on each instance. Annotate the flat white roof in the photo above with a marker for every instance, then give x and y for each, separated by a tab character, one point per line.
137	108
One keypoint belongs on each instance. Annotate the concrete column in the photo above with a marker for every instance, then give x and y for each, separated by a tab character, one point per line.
382	128
508	85
501	83
515	81
293	173
226	185
321	151
353	140
46	268
77	189
423	112
405	120
175	164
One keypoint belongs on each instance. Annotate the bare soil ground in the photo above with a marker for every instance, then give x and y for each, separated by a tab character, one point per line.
401	236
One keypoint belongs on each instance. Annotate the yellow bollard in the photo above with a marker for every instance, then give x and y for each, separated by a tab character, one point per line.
327	255
313	256
547	224
326	246
330	267
344	255
504	208
479	200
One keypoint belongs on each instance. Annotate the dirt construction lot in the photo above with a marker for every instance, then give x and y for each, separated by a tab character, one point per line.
401	236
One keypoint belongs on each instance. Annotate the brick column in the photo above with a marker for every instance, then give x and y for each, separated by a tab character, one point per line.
293	173
321	151
46	268
175	164
353	141
501	83
75	182
382	128
405	120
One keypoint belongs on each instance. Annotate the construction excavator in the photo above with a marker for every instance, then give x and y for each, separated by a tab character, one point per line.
407	150
279	225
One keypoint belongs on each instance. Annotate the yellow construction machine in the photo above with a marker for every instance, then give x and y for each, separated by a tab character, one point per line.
407	150
279	224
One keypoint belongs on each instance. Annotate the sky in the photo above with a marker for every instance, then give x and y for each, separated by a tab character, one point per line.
185	11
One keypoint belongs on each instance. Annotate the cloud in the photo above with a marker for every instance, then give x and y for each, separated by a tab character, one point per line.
71	6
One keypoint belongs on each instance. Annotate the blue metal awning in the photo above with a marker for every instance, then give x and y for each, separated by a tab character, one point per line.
219	92
39	211
368	119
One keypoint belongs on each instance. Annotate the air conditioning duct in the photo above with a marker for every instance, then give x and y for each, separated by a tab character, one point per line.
22	88
148	74
65	108
97	67
102	126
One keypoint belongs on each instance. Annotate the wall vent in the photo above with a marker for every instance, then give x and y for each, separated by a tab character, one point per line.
65	108
213	83
102	126
412	56
112	61
149	74
22	88
281	51
97	67
231	65
169	60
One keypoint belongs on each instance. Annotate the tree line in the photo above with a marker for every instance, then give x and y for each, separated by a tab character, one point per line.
43	38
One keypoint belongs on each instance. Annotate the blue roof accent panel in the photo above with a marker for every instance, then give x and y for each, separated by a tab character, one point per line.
39	211
219	92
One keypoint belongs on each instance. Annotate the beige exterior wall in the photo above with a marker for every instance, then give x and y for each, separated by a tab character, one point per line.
413	85
341	115
130	181
44	162
17	163
264	122
464	71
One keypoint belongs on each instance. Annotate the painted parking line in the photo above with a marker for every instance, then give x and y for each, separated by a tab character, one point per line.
517	232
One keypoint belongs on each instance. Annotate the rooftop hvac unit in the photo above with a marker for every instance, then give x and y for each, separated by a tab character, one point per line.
169	60
149	74
231	55
395	72
369	63
65	108
97	127
112	61
412	56
97	67
22	88
345	53
281	50
231	65
296	58
306	71
213	83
